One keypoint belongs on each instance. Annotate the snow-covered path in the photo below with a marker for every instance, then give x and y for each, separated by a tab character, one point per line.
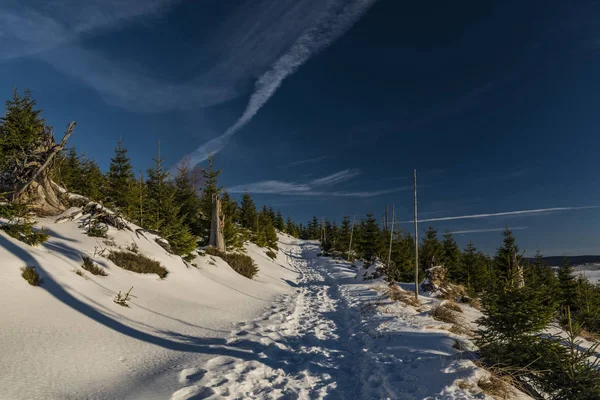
324	341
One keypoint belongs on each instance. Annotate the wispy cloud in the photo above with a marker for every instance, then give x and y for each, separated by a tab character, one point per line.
505	214
39	25
336	178
516	228
311	188
258	38
307	161
332	24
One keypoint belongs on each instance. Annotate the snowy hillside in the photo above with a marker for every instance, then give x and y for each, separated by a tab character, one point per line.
77	343
305	327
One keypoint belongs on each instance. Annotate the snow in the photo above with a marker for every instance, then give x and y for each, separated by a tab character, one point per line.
590	271
67	339
305	327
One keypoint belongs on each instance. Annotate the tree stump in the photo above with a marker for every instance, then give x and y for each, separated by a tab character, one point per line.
217	239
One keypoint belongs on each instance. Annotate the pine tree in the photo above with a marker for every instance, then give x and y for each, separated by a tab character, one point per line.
502	260
120	182
314	229
403	258
343	236
451	255
162	212
187	199
68	171
92	180
247	214
234	237
370	240
209	191
328	236
567	287
22	131
290	228
266	235
431	251
279	222
273	216
473	271
538	273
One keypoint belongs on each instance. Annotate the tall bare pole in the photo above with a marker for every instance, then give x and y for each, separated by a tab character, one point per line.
391	237
141	200
351	233
416	243
386	223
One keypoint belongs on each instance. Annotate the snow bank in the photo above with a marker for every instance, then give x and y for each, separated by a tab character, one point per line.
67	339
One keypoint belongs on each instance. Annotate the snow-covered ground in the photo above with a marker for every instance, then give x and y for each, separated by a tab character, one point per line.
67	339
590	271
304	328
335	337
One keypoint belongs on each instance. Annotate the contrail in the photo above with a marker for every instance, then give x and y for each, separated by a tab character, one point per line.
502	214
335	22
516	228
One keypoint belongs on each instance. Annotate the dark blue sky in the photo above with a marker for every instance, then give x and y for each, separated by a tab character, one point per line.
325	107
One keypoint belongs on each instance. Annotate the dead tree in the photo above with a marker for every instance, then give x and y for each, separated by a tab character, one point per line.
515	269
217	239
36	188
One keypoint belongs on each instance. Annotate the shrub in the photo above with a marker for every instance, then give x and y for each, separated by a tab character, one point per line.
97	229
92	268
397	294
452	306
23	230
31	276
122	300
133	247
9	210
240	263
212	251
442	313
137	263
79	272
271	254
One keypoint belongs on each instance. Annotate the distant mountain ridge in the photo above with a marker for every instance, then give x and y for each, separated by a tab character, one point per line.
573	260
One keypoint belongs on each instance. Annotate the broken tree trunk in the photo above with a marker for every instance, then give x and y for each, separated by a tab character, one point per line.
39	192
217	240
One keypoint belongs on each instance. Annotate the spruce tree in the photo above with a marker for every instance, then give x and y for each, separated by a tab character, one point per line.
451	255
431	252
473	271
538	273
232	232
22	131
567	287
187	199
68	171
273	216
162	213
247	214
120	182
370	241
328	236
290	228
343	240
266	236
403	258
279	221
92	180
314	229
502	260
